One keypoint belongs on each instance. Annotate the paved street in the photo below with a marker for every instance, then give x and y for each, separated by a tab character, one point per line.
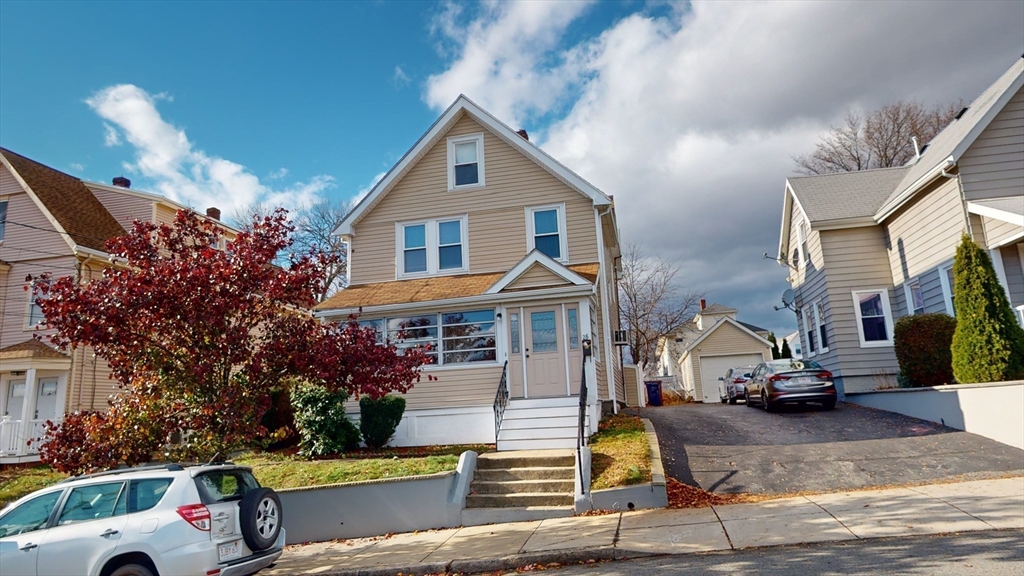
734	449
994	553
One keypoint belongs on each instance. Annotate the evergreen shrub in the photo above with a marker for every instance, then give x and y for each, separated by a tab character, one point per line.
923	348
320	417
378	419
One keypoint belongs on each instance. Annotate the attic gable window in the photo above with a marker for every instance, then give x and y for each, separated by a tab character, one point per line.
466	161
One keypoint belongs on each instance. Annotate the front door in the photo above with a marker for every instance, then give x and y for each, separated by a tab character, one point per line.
545	352
15	399
46	402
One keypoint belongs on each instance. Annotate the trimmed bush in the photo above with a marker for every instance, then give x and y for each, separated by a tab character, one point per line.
378	419
320	417
988	345
923	348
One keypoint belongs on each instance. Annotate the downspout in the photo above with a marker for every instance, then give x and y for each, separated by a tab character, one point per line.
963	201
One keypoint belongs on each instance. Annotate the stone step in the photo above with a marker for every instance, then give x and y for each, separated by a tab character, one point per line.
527	459
518	500
480	516
523	486
534	473
536	444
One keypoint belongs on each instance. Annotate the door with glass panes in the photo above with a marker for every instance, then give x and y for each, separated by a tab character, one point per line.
538	349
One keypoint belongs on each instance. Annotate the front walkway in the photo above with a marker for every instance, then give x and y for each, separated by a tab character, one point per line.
932	509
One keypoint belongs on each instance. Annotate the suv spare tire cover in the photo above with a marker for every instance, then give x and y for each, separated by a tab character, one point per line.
260	518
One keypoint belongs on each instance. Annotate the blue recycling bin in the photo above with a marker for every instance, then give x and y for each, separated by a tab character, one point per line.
653	393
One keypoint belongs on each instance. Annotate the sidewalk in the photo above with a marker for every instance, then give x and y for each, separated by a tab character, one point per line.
933	509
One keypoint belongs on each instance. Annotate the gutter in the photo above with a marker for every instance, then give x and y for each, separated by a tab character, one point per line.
939	171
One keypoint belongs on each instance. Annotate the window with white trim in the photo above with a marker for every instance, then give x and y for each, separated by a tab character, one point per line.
448	338
801	236
35	312
914	296
819	318
546	231
948	282
874	317
810	331
3	217
432	247
466	161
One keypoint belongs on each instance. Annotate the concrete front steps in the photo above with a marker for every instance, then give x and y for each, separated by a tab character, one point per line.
521	485
539	424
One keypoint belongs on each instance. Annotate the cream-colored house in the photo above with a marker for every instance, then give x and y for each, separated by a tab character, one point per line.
53	222
864	248
702	350
485	249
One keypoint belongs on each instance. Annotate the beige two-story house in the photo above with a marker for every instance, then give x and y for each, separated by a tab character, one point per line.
480	247
54	222
864	248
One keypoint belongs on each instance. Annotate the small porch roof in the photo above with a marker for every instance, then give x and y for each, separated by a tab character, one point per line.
32	354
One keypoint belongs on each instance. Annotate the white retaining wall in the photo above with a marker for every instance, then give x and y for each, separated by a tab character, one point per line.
994	410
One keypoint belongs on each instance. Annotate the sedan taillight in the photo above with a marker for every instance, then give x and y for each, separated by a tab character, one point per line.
777	378
826	375
738	380
197	515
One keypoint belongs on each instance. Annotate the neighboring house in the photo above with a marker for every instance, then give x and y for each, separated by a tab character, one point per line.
865	248
53	222
702	351
482	246
794	344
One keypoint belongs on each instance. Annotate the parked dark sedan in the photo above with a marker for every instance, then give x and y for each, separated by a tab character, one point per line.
790	381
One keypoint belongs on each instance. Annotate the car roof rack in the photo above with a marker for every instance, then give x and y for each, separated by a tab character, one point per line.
169	466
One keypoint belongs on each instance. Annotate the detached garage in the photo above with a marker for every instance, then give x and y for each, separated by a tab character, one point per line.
724	345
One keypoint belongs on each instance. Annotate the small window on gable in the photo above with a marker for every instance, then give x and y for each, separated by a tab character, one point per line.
466	161
801	234
546	231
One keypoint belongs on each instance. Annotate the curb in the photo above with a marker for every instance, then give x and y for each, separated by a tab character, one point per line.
493	564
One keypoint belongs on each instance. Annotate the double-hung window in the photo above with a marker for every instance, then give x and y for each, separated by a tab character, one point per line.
35	312
810	330
3	217
465	161
948	287
432	247
546	231
801	235
819	318
874	317
915	297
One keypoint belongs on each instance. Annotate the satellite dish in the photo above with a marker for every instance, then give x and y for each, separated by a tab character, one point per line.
788	297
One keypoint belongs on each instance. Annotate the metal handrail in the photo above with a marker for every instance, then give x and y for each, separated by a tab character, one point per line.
581	436
501	401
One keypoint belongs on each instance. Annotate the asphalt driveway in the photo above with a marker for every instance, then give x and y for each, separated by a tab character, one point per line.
734	449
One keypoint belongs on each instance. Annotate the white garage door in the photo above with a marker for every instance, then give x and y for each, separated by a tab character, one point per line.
713	367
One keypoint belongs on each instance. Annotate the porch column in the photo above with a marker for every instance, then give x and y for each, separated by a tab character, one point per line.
28	410
589	367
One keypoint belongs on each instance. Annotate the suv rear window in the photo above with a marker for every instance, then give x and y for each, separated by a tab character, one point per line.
225	485
145	494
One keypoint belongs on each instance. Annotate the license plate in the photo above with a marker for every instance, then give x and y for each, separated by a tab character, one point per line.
229	551
803	380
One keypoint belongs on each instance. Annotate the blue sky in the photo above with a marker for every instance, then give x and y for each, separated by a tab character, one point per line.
689	114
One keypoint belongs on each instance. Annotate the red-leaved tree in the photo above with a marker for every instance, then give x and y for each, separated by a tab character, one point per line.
198	337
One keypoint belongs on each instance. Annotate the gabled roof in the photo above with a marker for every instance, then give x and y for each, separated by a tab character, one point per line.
716	308
31	348
950	144
71	207
464	105
752	328
538	258
725	320
845	195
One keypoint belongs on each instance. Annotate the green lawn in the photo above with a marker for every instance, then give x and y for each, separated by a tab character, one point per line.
17	482
620	453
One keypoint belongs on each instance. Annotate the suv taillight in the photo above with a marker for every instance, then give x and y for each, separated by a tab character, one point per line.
777	378
197	515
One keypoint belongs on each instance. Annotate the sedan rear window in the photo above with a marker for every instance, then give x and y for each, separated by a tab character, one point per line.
786	365
225	485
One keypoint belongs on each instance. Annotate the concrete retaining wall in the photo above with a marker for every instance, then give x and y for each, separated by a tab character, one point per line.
652	494
994	410
358	509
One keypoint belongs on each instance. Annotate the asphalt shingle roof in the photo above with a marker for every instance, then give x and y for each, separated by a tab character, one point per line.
1013	205
30	348
845	195
717	308
73	205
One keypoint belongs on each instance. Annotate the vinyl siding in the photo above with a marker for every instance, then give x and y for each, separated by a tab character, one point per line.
535	277
165	214
993	167
926	231
1012	265
726	339
931	292
126	208
806	272
630	381
857	260
496	212
998	231
451	388
810	285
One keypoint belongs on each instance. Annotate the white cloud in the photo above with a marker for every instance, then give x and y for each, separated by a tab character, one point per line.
76	166
278	174
176	169
690	118
110	136
400	78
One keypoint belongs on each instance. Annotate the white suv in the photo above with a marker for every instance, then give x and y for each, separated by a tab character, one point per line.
173	519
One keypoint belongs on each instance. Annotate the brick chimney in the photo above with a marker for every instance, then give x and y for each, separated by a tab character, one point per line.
522	133
122	182
703	303
213	212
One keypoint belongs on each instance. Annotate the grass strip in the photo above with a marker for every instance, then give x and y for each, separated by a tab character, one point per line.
621	455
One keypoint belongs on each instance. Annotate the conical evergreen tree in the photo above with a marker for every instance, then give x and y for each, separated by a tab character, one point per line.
785	352
988	345
775	346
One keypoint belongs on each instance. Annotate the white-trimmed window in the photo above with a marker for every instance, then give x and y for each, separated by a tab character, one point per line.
819	319
874	317
915	296
466	161
35	313
545	231
3	217
453	337
810	331
432	247
948	287
801	237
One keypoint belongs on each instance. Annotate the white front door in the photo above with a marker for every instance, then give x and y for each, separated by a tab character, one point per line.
46	400
545	352
15	399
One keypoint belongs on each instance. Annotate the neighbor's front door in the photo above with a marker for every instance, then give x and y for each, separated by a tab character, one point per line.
545	351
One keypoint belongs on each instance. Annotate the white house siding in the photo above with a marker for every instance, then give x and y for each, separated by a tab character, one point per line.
496	212
857	261
926	232
993	167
